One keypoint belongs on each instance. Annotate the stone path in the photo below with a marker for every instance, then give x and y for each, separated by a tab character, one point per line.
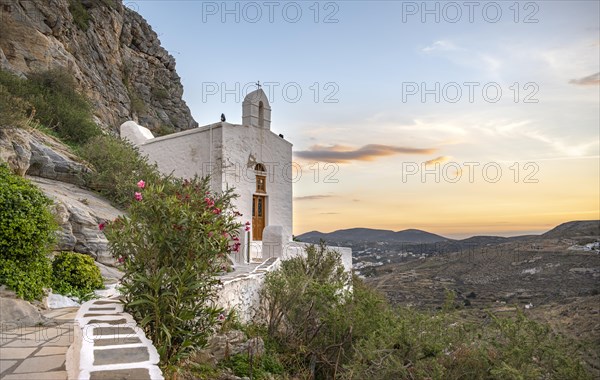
111	345
37	352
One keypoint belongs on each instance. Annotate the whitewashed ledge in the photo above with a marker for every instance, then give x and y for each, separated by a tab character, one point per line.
241	291
108	344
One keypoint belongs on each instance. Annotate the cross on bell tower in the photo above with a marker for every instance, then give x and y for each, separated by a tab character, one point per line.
258	85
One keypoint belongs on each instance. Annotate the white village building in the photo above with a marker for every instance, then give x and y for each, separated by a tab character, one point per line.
258	164
248	157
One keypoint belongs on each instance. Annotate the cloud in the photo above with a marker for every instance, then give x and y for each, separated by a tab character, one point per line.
440	45
437	160
312	197
342	154
590	80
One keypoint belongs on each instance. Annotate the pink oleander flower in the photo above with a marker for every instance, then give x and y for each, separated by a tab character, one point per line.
101	226
225	234
247	228
236	238
121	259
141	184
138	196
210	233
217	211
221	317
247	223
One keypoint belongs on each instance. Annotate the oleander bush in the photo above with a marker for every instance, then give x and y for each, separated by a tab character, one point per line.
27	230
75	274
172	245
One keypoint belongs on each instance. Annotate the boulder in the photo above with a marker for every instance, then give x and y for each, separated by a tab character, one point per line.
18	313
79	212
31	152
223	345
57	301
14	149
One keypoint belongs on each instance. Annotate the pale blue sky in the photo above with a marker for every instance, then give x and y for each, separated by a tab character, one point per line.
368	56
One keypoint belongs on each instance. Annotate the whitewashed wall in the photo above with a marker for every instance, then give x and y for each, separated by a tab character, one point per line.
188	153
241	142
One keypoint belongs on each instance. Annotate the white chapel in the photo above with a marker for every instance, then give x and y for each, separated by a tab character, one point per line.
248	157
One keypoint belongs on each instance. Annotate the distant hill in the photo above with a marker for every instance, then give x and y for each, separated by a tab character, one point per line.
369	234
573	229
585	228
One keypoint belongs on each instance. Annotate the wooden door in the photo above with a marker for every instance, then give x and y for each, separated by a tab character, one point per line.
259	210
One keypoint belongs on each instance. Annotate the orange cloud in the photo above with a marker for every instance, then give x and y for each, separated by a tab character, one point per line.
312	197
437	160
342	154
590	80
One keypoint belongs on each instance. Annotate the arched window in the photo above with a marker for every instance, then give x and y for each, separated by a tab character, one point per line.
261	178
261	114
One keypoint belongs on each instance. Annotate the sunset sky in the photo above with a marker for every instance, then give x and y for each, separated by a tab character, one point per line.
455	119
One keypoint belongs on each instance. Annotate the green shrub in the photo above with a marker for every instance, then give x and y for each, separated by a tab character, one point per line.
13	110
441	346
159	93
319	332
60	107
117	164
51	100
304	303
137	104
26	234
81	16
75	274
163	130
172	246
259	367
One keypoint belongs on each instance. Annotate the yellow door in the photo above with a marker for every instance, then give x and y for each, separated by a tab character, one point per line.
258	216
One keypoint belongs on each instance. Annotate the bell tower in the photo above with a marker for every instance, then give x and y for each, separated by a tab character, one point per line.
256	110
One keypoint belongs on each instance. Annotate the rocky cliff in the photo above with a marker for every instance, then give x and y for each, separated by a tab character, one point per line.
58	173
111	50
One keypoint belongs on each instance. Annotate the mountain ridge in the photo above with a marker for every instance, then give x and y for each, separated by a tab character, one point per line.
413	235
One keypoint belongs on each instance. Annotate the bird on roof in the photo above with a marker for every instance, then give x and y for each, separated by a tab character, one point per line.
223	117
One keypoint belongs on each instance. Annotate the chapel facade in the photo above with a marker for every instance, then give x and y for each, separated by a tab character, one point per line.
248	157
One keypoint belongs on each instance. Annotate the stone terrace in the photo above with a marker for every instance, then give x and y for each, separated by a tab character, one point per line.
37	352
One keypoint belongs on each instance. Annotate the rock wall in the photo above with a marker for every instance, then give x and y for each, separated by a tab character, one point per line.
117	58
59	174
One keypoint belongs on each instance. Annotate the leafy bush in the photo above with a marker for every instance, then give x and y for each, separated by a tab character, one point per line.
60	107
81	16
26	233
117	164
320	332
13	110
75	274
49	98
172	245
303	301
258	367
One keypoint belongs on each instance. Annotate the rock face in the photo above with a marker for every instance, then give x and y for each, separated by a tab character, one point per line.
31	152
58	173
79	212
115	56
